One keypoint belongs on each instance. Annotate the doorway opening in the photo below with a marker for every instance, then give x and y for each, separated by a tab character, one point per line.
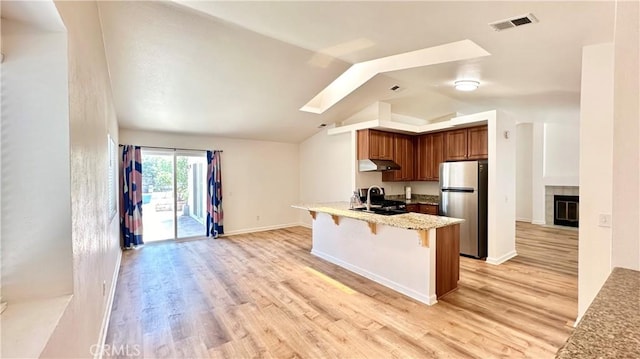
173	194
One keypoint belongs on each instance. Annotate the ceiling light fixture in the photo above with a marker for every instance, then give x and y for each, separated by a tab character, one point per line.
466	85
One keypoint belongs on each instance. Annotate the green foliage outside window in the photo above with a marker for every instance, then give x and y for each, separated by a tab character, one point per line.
156	175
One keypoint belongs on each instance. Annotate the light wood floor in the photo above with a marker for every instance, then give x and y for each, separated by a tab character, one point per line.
265	295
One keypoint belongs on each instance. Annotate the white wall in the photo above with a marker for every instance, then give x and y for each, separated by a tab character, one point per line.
537	175
561	153
502	188
555	160
326	170
94	235
260	179
501	204
524	171
425	187
36	210
626	132
596	150
367	179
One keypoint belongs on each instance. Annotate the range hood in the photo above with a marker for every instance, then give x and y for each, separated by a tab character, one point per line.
370	165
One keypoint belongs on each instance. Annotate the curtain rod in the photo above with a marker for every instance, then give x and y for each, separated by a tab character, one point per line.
175	149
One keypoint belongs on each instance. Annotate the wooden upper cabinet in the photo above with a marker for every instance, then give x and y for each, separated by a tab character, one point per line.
404	156
407	143
420	157
429	155
423	165
437	156
456	145
478	143
467	144
375	145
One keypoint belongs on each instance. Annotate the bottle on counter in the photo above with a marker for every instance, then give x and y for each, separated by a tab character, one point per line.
355	200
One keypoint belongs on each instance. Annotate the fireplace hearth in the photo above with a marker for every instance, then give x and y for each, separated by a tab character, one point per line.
566	210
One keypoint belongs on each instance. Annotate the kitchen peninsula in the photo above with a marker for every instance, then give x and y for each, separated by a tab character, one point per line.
412	253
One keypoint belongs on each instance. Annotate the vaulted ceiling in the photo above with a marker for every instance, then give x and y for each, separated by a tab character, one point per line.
244	69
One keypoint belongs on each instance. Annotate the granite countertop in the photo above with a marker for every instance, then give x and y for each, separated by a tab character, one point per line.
611	326
406	220
416	199
419	201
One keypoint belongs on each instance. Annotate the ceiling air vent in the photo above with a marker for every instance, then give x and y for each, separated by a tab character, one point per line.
513	22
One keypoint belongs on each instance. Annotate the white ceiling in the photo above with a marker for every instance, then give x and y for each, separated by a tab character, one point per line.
243	69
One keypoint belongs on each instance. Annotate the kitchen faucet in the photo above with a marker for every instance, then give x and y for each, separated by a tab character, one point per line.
368	204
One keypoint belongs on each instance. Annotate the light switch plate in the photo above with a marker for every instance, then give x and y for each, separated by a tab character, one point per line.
604	220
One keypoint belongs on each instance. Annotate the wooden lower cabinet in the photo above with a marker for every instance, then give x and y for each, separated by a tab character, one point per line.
413	207
423	208
429	209
447	259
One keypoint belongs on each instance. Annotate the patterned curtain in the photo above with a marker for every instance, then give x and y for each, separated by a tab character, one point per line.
131	201
214	195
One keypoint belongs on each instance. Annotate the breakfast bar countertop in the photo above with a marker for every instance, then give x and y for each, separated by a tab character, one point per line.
611	326
406	220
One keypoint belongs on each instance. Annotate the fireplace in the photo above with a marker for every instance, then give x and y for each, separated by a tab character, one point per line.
566	210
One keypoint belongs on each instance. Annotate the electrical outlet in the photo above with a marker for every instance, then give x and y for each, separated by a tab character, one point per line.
604	220
258	218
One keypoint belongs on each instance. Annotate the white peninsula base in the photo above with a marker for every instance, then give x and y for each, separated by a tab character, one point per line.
393	257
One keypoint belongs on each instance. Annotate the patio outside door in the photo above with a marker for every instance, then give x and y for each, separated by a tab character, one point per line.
191	169
174	194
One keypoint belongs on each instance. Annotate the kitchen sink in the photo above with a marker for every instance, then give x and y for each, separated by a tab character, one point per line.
380	211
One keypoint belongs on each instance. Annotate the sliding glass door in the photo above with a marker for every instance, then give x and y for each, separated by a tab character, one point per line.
174	192
191	188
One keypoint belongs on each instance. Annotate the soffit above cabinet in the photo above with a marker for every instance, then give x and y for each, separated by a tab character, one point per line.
399	127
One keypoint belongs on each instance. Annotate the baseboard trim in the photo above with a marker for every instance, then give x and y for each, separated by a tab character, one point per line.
520	219
578	319
305	225
501	259
107	313
538	222
430	300
260	229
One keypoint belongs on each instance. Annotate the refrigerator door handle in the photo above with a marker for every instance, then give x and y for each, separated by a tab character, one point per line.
458	189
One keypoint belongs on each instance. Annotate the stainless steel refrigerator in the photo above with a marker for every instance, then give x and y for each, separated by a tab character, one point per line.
463	194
